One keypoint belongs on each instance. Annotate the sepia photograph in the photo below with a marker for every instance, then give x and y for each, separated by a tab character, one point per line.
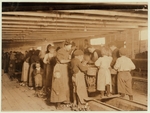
74	56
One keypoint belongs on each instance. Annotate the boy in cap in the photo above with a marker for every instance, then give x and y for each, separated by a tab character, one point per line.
124	65
79	86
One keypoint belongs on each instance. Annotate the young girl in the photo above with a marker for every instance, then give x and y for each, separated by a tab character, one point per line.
37	73
47	78
104	76
124	65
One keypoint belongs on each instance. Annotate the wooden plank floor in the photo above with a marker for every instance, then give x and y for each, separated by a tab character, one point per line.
17	98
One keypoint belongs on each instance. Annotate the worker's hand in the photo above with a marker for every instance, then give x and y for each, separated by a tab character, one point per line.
84	63
113	71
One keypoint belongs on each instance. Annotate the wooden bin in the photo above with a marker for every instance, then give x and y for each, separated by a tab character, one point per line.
91	78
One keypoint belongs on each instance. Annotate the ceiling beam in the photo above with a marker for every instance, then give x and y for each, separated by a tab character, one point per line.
53	32
35	34
67	27
62	30
70	34
107	12
73	21
65	24
73	16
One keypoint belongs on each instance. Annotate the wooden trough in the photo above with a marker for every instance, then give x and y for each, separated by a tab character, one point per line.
116	104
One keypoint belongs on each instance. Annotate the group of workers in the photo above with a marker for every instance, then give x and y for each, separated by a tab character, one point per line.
61	73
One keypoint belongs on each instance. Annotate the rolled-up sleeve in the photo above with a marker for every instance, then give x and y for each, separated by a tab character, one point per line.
132	66
117	64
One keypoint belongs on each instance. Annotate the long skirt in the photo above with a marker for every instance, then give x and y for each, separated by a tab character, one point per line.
25	71
125	83
47	78
48	75
103	79
63	69
80	87
31	77
57	91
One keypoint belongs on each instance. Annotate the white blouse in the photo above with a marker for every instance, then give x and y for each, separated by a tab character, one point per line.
47	58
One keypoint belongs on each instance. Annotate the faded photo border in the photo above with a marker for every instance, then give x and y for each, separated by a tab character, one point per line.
81	1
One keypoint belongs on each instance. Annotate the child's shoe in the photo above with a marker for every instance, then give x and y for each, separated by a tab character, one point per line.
31	88
131	97
109	95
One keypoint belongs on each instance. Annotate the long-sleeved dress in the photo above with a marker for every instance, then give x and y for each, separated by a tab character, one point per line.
62	54
47	78
104	76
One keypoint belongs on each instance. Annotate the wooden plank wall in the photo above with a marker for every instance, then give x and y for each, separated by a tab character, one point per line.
131	37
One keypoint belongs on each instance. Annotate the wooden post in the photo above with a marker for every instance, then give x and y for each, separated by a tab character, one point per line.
139	41
132	43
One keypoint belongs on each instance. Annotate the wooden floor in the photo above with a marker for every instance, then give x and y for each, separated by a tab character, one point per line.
18	98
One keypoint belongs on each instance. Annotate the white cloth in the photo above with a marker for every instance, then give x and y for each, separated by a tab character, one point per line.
104	76
124	64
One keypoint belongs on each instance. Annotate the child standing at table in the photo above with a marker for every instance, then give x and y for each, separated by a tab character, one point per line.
104	76
124	65
78	79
